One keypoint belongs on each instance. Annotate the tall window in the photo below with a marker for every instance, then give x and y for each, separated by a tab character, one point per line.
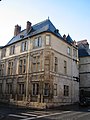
21	88
55	89
69	51
37	42
46	89
3	53
24	46
2	69
47	39
74	52
56	64
0	88
22	66
65	67
36	64
10	68
9	88
12	50
66	90
35	88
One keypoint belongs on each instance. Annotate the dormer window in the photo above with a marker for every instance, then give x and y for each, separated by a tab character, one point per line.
37	42
12	50
24	46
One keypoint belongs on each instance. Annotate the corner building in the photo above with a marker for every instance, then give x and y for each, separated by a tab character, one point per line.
39	67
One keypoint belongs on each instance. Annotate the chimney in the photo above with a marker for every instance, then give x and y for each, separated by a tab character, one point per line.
28	26
17	30
64	36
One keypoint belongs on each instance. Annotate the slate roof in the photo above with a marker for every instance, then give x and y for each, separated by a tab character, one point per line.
44	26
83	50
36	29
69	39
83	53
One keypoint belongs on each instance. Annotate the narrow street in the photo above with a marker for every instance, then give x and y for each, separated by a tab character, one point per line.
13	113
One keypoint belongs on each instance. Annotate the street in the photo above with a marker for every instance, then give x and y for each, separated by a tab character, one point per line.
13	113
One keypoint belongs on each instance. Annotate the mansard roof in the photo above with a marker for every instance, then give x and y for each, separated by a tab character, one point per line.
44	26
36	29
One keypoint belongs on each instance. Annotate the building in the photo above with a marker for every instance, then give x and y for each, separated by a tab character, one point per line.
84	67
39	67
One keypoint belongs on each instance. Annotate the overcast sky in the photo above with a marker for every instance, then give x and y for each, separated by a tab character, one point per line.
69	16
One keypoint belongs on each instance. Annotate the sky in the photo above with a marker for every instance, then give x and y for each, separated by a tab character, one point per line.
69	16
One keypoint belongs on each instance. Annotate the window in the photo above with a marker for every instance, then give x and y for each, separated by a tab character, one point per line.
22	66
55	89
9	88
46	89
10	68
66	90
36	64
35	88
12	50
74	53
24	46
21	88
0	88
37	42
65	67
56	64
47	39
69	51
2	69
3	53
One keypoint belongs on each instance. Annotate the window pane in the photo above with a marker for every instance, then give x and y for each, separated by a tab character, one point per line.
47	40
68	50
46	89
40	42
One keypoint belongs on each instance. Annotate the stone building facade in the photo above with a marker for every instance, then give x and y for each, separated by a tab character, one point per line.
39	67
84	67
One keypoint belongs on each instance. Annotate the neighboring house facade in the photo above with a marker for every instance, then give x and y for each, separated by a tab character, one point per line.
39	67
84	68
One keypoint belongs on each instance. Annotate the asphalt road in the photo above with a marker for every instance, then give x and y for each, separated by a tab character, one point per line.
68	113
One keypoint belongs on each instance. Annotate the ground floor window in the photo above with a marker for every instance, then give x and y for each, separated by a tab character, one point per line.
21	88
46	89
66	90
9	88
35	89
55	89
0	88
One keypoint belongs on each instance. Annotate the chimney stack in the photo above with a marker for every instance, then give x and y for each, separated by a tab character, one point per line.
64	36
17	30
28	26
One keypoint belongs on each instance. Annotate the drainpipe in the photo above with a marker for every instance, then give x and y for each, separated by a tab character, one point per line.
27	80
71	73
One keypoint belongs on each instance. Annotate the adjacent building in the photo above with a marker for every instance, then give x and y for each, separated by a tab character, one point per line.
84	68
39	67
